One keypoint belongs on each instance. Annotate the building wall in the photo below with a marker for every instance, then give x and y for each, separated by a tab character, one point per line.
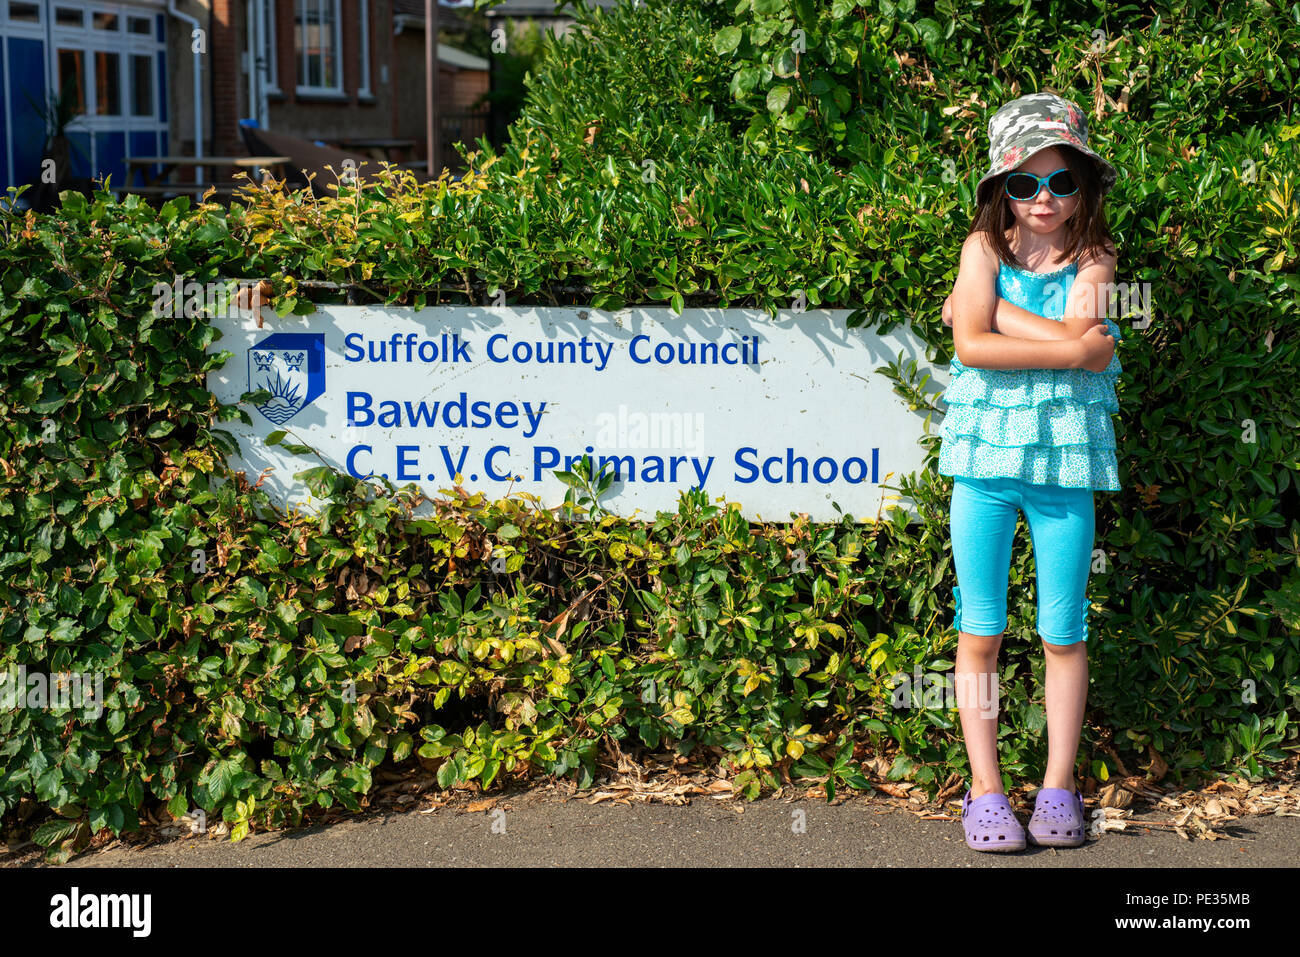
457	91
180	76
225	82
395	108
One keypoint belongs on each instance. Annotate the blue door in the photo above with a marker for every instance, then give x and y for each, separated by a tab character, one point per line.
22	64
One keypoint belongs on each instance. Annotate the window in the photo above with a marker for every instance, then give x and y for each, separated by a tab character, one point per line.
24	12
108	57
72	77
108	83
141	84
316	45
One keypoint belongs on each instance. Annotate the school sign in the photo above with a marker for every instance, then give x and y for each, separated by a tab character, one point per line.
785	415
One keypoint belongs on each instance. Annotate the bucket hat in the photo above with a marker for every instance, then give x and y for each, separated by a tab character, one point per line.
1031	123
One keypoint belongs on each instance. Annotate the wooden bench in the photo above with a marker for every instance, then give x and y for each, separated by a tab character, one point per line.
187	188
224	193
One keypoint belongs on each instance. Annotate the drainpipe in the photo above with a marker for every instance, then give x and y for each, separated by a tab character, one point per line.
198	86
250	55
264	64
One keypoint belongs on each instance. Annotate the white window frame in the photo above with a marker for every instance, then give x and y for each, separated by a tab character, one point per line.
363	56
259	48
300	55
90	41
268	50
20	27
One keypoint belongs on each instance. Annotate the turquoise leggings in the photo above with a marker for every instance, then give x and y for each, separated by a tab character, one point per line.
983	524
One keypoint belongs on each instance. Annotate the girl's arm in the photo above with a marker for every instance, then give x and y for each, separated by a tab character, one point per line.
1086	306
974	301
1011	320
1089	298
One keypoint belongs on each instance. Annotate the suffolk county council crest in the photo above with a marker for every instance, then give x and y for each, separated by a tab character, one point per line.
290	366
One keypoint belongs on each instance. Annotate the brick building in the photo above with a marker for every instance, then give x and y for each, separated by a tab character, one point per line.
147	73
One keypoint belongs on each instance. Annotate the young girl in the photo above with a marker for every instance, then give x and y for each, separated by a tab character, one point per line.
1028	427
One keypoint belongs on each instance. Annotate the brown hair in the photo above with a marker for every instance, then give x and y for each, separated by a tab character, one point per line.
1085	231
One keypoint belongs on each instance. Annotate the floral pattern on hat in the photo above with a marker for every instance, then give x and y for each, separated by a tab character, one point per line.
1013	157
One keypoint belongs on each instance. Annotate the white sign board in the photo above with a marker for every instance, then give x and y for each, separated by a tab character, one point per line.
781	416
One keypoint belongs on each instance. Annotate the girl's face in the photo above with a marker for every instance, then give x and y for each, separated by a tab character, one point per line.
1045	213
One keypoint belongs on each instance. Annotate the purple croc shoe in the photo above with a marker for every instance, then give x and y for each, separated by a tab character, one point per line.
1058	819
990	824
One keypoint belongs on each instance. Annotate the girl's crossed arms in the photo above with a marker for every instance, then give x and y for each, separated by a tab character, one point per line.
991	333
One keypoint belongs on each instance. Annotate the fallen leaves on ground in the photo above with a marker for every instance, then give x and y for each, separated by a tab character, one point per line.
674	780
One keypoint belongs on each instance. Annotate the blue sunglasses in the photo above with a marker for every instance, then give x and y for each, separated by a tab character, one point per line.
1025	186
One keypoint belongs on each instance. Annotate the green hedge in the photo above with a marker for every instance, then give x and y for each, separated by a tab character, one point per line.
302	653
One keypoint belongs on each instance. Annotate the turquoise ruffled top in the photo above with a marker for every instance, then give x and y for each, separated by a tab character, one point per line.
1043	426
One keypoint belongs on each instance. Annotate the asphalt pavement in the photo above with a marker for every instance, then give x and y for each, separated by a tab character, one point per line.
543	828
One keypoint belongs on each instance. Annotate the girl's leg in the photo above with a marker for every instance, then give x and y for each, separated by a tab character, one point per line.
982	525
977	681
1066	690
1061	524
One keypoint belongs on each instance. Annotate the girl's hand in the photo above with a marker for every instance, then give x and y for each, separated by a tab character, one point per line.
947	312
1098	345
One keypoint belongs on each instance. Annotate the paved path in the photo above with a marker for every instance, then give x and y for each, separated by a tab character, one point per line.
541	828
